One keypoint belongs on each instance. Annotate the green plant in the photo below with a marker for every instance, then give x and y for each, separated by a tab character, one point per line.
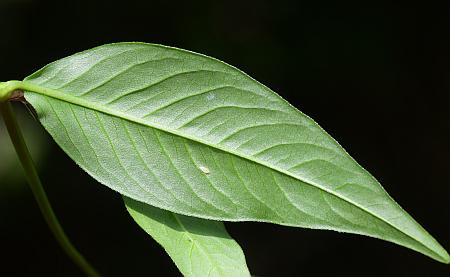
190	141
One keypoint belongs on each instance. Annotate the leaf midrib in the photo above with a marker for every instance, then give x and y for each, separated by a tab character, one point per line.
193	241
59	95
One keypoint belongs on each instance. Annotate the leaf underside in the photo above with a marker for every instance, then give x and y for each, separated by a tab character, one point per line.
195	136
199	247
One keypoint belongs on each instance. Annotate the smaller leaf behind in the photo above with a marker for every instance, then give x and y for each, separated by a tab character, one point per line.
199	247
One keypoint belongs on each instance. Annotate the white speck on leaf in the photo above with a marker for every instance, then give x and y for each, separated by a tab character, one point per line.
210	96
204	169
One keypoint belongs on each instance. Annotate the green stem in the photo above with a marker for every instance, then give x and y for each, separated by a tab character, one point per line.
38	191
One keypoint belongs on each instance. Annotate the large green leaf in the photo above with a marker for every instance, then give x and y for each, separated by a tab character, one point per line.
195	136
199	247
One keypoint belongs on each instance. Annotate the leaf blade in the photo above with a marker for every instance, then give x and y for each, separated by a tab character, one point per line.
194	113
198	247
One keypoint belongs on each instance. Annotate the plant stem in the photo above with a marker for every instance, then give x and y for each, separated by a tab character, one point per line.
38	191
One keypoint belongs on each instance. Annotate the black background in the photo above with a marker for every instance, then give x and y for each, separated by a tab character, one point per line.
374	75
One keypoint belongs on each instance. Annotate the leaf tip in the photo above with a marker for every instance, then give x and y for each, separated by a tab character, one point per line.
447	259
442	256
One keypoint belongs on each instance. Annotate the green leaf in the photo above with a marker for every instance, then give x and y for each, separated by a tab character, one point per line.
195	136
199	247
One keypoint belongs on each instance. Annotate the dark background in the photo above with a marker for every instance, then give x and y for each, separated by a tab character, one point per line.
374	75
